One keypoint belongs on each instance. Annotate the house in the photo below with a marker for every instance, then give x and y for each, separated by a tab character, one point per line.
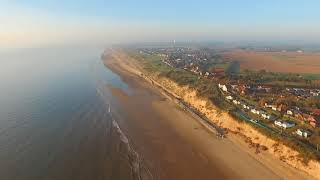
278	123
274	107
254	111
223	87
303	133
248	107
290	112
314	118
284	124
258	112
265	116
242	89
236	102
314	121
268	105
288	124
245	106
314	93
229	97
281	108
298	115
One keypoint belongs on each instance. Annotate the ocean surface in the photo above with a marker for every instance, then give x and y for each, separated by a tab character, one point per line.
54	116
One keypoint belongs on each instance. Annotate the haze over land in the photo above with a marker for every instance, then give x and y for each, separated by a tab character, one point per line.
34	23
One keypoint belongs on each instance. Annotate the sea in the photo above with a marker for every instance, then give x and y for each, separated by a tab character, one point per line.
56	121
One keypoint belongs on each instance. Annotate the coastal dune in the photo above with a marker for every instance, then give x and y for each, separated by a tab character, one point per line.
239	155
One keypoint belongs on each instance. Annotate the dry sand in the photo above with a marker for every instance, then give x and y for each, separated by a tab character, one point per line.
175	145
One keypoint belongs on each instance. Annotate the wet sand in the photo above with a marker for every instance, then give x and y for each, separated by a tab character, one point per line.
171	143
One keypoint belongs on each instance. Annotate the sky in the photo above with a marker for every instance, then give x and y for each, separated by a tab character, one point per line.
53	22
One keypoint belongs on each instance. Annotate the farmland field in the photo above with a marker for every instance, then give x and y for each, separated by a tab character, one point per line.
284	62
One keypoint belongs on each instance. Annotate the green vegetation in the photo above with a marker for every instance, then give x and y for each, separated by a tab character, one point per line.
205	88
300	145
223	65
277	79
233	68
208	89
311	76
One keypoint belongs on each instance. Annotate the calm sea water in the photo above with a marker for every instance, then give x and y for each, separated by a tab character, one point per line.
54	122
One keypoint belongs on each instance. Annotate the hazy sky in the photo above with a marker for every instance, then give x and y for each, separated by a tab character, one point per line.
35	22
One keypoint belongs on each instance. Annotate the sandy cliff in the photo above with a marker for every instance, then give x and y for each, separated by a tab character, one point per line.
243	130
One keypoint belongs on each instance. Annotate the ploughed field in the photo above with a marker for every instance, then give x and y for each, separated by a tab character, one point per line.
284	62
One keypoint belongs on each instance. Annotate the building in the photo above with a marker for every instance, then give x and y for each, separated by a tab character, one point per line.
290	112
314	118
223	87
303	133
281	108
298	114
284	124
278	123
236	102
254	111
245	106
314	121
266	116
229	97
268	105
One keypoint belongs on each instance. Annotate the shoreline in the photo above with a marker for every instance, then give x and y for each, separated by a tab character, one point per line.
266	159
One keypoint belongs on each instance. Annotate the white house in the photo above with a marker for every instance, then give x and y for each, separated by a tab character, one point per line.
284	124
289	112
314	93
229	97
278	123
244	106
303	133
287	125
223	87
254	111
236	102
267	105
266	116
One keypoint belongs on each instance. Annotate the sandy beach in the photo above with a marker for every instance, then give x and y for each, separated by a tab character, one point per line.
176	146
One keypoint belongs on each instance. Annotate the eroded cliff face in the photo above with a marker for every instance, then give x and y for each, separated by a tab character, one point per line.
254	139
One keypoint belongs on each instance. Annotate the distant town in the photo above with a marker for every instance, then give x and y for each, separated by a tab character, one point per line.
288	103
